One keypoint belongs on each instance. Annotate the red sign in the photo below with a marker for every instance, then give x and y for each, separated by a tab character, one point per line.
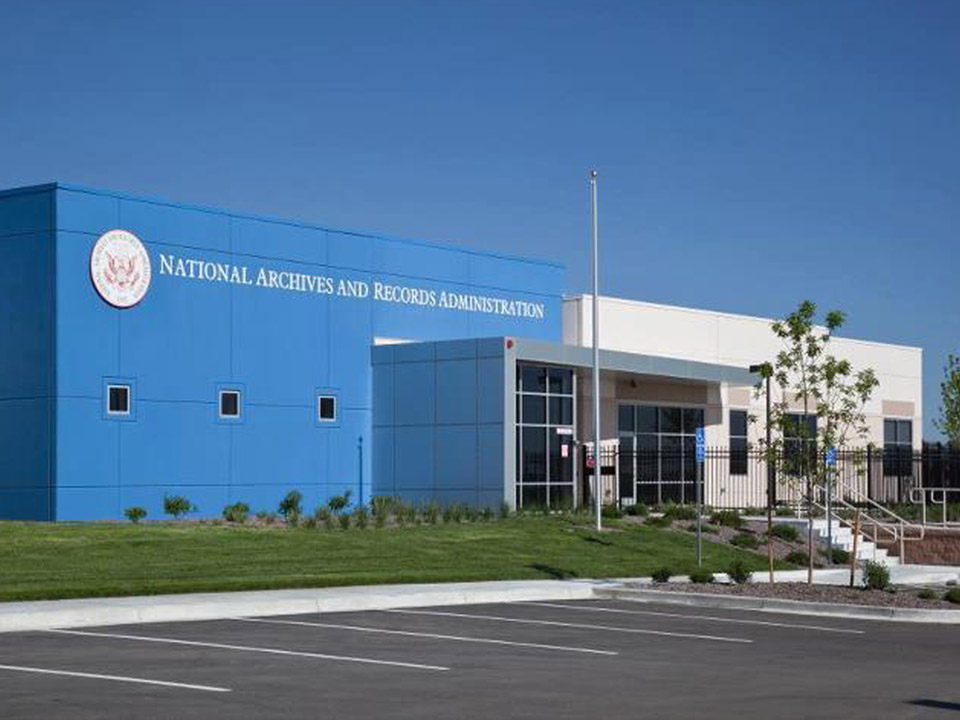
591	462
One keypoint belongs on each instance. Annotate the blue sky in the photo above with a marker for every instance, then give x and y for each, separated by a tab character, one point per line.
751	154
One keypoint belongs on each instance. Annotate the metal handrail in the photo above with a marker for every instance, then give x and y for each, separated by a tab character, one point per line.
896	527
937	496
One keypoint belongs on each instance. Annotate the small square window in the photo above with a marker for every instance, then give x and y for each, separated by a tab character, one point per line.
327	408
229	403
118	399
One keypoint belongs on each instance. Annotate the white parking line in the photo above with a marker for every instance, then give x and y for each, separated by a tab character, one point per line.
247	648
581	626
435	636
697	617
117	678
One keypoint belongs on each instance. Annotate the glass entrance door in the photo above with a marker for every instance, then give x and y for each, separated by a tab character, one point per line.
545	432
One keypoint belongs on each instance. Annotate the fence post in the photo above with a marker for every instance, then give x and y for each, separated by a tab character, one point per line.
903	558
853	555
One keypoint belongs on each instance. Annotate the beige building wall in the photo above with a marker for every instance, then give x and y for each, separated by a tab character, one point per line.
726	339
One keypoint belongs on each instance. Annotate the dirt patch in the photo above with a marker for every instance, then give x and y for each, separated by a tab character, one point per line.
901	597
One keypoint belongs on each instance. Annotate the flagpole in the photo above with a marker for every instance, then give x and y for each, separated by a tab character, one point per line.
597	487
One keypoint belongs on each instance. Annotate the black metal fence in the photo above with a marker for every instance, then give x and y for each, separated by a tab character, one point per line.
738	479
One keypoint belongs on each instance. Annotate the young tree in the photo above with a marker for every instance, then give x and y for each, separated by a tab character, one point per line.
949	422
830	392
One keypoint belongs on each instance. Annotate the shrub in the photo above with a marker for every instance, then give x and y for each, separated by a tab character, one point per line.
662	575
952	595
706	528
680	512
344	520
262	515
637	509
754	511
238	512
291	507
744	540
400	512
453	513
798	557
323	515
838	556
727	518
657	522
380	507
927	594
612	511
339	503
784	511
505	510
361	517
486	515
875	576
701	577
135	514
470	513
309	522
177	506
738	572
788	533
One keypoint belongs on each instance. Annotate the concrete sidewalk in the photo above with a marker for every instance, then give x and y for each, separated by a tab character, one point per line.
938	575
88	612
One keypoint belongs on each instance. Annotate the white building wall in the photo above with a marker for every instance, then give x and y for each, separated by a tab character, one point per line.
727	339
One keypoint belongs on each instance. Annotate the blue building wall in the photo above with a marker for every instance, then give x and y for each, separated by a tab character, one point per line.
438	422
189	337
27	389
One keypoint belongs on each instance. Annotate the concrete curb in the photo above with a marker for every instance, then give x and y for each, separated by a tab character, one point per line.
91	612
796	607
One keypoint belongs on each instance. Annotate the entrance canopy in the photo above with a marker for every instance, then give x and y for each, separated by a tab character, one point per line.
611	360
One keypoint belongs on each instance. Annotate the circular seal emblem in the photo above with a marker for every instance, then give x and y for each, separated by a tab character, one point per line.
120	268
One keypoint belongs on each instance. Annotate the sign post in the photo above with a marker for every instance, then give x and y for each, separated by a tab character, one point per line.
701	456
831	466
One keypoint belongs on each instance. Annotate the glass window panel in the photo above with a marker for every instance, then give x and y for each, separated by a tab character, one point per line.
534	446
647	419
533	497
738	423
738	456
670	458
561	497
534	378
648	458
905	432
671	492
692	419
811	427
561	468
689	461
327	408
118	399
889	431
229	403
669	420
561	381
534	410
625	422
561	411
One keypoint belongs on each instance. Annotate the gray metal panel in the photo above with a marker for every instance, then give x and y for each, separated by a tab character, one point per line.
611	360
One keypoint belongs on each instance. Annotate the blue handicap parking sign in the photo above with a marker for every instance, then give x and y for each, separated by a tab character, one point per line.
701	445
831	456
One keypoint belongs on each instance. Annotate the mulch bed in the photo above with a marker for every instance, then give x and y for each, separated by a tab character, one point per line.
902	597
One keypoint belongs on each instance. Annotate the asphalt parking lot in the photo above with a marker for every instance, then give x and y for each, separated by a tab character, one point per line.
599	658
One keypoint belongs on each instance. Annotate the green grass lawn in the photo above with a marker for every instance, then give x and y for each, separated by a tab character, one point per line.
47	561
